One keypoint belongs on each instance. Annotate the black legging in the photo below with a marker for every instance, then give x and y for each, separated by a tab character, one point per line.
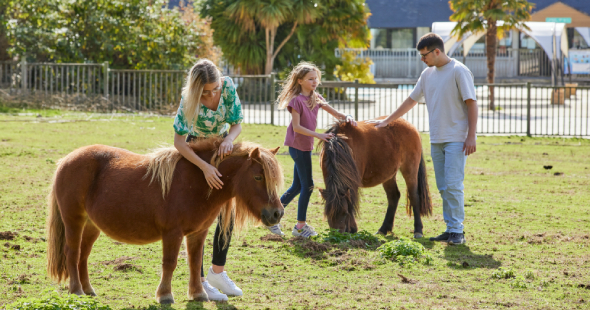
219	251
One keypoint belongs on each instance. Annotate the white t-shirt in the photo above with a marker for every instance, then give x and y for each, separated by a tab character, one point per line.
445	90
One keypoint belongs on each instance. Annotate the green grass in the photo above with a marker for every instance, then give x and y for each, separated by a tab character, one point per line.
519	217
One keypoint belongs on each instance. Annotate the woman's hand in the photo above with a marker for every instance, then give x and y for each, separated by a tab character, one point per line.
325	136
212	176
225	148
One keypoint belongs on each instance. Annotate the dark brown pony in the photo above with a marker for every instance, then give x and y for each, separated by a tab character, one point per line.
366	156
140	199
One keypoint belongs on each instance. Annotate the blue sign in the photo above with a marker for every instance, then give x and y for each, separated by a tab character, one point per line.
567	20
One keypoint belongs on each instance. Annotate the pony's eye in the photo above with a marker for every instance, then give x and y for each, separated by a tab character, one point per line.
258	178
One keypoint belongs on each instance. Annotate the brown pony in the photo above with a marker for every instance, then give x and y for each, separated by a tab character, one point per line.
366	156
102	188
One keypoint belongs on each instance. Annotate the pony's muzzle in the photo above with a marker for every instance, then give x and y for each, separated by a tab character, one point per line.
272	216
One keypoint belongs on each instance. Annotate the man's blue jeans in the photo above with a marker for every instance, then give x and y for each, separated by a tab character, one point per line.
302	182
449	169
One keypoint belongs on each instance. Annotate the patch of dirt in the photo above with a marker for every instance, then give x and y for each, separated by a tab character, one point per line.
406	279
7	235
118	261
15	247
22	279
271	237
127	267
311	248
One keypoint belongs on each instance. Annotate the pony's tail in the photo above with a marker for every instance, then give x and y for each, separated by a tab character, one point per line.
423	191
56	241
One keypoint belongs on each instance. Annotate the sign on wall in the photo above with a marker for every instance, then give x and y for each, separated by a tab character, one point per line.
567	20
579	60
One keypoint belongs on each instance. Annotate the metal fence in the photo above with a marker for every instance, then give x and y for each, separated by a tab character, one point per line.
518	108
406	62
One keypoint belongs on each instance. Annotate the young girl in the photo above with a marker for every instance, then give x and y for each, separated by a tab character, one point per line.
303	102
210	107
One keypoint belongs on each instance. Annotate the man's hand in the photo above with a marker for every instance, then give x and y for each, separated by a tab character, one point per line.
469	146
379	123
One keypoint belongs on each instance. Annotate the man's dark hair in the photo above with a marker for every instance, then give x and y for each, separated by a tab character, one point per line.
431	41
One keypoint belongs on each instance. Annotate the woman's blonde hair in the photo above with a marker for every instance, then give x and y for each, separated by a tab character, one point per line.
292	89
203	72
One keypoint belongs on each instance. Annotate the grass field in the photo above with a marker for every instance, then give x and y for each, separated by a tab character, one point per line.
528	230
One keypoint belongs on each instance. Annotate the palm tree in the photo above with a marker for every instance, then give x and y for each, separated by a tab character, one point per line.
481	15
270	14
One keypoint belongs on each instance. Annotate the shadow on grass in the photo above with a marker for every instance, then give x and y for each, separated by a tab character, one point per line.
191	305
461	257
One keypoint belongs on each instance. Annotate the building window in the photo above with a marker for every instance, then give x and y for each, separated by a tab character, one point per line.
575	40
402	38
528	42
392	38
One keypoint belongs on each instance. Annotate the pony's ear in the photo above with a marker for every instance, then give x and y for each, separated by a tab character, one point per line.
255	154
275	151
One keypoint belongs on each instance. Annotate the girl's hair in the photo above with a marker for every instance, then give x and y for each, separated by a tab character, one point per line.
203	72
292	89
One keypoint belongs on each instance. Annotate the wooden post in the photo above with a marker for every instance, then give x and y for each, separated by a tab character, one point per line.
356	99
272	98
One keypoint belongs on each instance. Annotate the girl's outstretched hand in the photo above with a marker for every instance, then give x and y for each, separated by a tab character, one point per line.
325	136
212	176
350	119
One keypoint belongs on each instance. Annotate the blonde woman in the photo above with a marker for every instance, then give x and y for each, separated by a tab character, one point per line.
299	96
210	107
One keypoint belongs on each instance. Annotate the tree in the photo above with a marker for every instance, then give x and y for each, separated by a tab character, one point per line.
335	23
129	34
482	15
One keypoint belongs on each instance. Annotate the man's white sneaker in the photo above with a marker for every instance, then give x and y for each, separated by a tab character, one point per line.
224	283
305	231
276	229
213	293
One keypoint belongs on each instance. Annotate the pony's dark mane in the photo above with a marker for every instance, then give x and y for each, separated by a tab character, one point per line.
343	181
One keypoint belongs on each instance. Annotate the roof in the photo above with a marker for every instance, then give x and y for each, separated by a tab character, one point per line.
422	13
580	5
407	13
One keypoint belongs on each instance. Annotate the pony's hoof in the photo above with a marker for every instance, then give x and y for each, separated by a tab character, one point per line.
199	297
165	299
418	235
380	233
90	293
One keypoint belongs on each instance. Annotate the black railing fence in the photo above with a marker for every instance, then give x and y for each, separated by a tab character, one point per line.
521	109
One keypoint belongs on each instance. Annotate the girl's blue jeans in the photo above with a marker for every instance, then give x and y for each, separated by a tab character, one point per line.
302	182
449	161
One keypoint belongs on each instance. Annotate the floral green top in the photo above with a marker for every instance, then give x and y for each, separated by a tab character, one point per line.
213	123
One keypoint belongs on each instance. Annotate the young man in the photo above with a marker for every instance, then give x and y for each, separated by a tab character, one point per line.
448	90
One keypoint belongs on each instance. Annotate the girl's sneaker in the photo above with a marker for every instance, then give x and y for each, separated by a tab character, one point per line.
276	229
305	231
222	282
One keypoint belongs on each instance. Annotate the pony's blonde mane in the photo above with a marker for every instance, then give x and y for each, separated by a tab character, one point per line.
162	163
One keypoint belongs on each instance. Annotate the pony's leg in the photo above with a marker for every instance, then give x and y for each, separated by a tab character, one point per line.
393	195
194	249
411	178
74	226
89	236
171	242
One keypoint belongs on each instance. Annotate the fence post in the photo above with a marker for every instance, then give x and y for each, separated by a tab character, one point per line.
528	109
272	98
23	76
105	67
356	99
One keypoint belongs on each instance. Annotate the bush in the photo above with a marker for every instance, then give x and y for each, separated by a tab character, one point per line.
53	301
354	68
406	252
503	273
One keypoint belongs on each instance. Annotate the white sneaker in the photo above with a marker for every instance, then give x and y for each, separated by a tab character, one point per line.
213	293
223	282
305	231
276	229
